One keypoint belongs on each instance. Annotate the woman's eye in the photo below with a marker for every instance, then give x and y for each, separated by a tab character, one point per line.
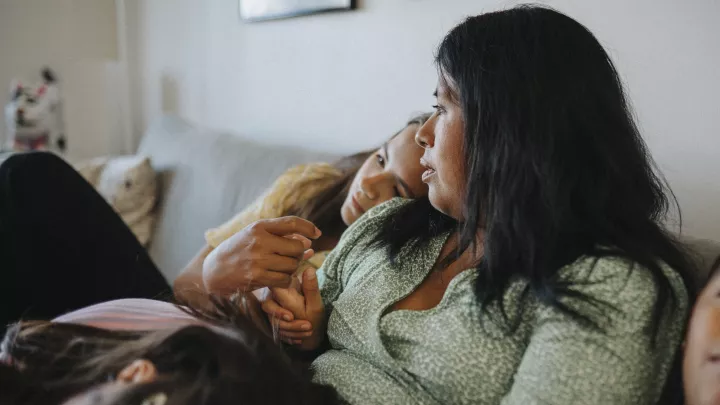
438	108
380	160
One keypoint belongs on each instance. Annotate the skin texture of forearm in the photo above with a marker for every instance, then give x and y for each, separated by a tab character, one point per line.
188	286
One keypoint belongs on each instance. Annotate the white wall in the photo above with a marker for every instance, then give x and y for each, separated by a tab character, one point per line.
77	39
346	81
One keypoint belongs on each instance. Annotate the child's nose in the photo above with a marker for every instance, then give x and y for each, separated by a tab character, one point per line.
378	187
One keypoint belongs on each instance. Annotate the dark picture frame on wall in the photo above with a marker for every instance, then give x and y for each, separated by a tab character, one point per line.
263	10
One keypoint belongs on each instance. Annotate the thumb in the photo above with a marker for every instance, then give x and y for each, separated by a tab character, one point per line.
311	291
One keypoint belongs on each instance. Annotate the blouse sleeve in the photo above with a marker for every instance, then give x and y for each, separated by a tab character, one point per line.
568	362
300	183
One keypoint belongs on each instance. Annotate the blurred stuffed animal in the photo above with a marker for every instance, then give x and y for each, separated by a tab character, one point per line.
128	184
34	116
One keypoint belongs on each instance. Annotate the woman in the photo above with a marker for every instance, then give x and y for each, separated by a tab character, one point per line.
278	245
701	363
216	358
63	247
538	271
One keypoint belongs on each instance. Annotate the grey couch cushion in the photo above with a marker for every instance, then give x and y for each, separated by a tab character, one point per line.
205	178
704	252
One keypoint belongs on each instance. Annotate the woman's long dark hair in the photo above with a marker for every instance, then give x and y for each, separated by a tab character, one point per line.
324	209
227	362
556	167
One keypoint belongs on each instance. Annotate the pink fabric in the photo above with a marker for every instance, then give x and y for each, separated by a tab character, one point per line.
131	314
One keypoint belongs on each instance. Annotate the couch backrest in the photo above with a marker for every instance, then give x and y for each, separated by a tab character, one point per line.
205	178
705	252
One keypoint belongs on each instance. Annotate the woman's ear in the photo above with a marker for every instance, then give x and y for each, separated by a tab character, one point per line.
139	371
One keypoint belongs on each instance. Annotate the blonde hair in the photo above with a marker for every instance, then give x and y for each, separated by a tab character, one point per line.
324	209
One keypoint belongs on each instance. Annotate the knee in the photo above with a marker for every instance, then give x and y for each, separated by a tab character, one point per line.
22	162
29	164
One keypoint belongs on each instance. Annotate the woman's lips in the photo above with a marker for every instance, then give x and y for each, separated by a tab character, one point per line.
358	208
429	172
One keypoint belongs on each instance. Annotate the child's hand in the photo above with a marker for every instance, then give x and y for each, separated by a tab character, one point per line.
307	306
290	330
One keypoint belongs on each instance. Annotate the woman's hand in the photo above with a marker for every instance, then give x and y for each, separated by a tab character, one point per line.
264	254
306	306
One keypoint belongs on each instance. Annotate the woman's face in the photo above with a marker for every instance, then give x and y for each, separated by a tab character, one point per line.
393	171
442	138
701	364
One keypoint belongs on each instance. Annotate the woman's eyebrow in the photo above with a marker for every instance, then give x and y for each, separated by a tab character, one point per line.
400	181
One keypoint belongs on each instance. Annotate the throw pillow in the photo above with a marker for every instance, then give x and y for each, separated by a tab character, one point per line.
129	185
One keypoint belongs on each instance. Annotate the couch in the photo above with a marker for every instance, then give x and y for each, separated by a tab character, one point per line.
208	176
205	178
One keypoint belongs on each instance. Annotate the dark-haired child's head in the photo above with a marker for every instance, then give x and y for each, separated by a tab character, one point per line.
70	364
701	363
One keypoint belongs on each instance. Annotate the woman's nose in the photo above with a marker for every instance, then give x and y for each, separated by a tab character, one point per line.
425	136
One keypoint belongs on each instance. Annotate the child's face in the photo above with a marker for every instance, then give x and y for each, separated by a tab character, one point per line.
701	365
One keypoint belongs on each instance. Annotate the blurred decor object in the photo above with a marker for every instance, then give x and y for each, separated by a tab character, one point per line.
34	115
129	185
260	10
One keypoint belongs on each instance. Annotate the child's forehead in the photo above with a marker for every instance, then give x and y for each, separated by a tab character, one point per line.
714	269
714	275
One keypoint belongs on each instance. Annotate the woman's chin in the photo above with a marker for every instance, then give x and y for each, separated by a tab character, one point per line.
435	201
347	215
442	205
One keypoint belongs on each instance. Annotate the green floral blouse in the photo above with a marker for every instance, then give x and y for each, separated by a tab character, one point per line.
451	355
